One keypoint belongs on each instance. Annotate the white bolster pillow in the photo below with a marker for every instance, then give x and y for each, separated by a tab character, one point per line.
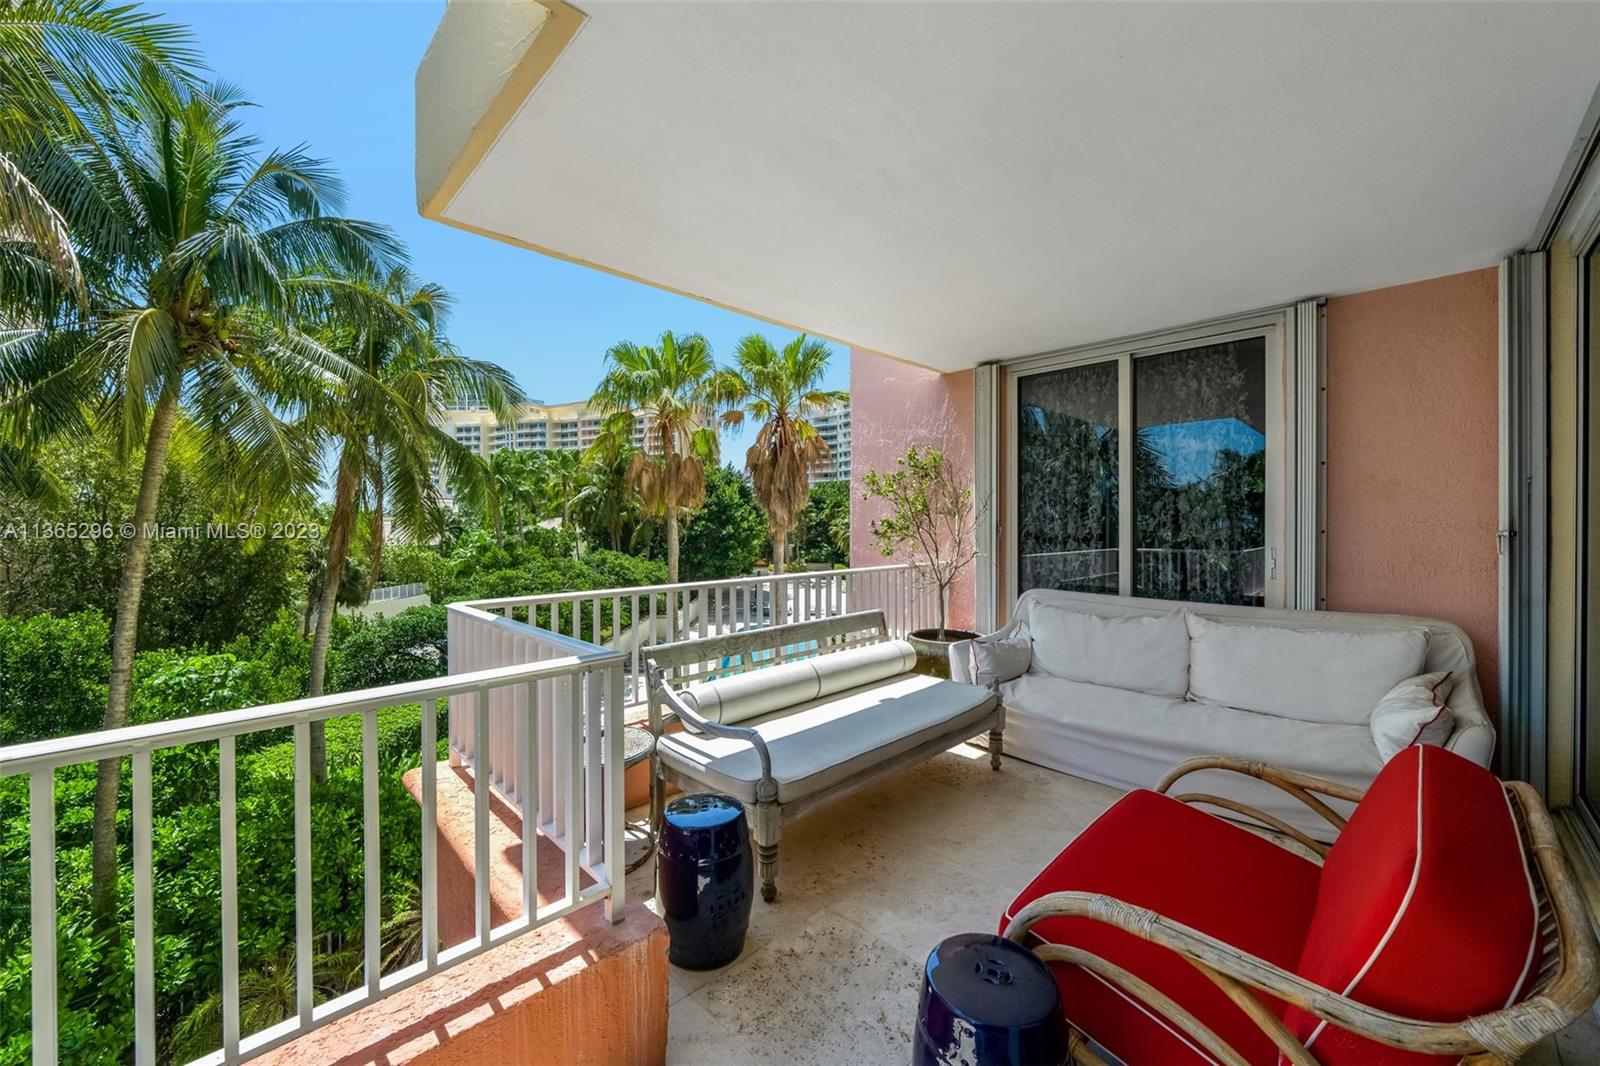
740	697
855	667
732	699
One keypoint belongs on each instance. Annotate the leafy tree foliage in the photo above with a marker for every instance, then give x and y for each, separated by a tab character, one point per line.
52	675
407	647
825	524
728	535
201	591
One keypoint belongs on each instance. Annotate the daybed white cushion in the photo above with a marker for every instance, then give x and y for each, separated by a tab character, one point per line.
741	697
1143	654
1316	675
1415	711
824	742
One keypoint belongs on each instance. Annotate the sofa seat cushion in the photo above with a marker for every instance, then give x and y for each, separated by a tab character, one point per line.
1152	851
1170	731
1317	674
823	742
1425	907
1131	740
1149	654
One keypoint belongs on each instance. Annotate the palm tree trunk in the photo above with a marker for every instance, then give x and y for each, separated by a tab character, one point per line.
672	545
124	640
344	496
376	541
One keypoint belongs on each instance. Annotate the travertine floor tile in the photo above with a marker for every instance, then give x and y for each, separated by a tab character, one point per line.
830	993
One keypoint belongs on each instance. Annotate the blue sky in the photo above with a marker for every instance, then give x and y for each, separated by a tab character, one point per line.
338	76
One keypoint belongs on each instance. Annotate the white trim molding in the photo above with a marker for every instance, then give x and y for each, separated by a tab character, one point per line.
1308	386
985	482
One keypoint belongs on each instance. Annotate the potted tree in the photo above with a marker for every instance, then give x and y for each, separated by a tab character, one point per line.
933	517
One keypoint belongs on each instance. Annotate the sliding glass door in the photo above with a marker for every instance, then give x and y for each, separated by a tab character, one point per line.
1200	474
1150	472
1068	480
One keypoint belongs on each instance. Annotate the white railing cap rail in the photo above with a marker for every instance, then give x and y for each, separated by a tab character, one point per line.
643	590
115	743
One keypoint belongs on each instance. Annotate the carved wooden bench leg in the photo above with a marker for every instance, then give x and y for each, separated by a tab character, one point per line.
996	748
766	833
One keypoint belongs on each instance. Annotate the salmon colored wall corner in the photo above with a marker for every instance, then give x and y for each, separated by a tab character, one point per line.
1413	456
892	406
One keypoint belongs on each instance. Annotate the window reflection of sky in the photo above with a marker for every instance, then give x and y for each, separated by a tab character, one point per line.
1189	449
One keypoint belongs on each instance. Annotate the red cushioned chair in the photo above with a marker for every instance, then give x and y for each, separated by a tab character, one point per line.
1442	924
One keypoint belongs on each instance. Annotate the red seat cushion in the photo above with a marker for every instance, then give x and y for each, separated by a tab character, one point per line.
1426	905
1152	851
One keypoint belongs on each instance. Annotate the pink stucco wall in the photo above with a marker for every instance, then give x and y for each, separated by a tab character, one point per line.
1413	455
894	405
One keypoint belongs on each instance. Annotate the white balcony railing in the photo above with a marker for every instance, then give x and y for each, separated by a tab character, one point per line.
555	699
630	620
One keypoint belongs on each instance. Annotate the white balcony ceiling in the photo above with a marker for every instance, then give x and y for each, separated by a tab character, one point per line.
951	183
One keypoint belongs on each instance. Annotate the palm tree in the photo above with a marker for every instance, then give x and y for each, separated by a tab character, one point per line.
564	477
606	502
782	390
58	58
383	424
520	488
676	388
197	241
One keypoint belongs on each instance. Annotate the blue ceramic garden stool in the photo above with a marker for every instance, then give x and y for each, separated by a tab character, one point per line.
986	1000
705	877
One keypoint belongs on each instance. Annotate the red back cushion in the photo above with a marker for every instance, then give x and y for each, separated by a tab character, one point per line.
1425	907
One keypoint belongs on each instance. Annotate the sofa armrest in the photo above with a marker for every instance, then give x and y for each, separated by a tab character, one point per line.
768	786
961	661
1474	740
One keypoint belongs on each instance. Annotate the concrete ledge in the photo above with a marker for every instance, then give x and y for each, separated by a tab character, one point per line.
579	990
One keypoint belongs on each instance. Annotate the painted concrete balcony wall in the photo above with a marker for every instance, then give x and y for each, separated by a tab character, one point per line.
1413	456
895	404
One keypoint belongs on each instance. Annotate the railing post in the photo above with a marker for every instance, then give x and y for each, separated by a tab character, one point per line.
144	922
42	912
429	786
227	809
302	873
480	818
372	876
530	803
615	845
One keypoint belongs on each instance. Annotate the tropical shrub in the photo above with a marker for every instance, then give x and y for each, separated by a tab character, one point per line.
52	675
728	535
409	646
825	524
406	564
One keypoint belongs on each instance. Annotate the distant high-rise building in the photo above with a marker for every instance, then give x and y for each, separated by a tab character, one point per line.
539	427
833	425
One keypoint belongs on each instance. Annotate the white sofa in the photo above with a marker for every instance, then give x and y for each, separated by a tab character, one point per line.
1122	696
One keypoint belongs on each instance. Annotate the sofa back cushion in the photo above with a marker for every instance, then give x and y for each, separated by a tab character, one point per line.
1316	675
1148	654
1425	906
741	697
